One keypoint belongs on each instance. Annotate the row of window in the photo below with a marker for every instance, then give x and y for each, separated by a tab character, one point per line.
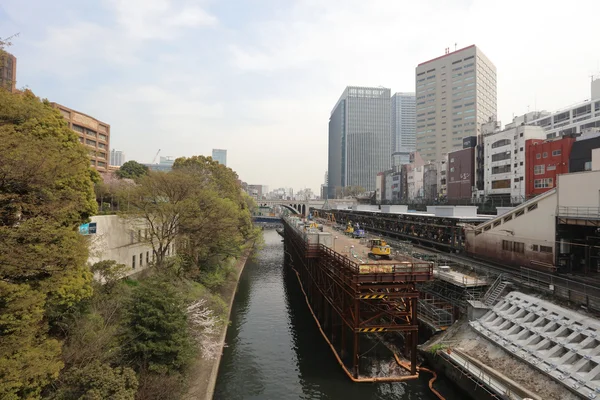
515	247
543	183
545	154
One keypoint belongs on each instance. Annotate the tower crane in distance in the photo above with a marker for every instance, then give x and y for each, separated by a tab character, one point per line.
154	159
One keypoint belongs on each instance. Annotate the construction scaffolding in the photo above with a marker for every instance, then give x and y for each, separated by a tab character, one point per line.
350	298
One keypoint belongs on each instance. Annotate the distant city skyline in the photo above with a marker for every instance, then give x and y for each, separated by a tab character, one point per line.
266	83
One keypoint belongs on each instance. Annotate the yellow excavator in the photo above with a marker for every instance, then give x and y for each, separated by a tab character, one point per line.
379	249
349	229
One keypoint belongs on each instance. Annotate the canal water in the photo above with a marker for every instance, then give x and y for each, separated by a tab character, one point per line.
275	350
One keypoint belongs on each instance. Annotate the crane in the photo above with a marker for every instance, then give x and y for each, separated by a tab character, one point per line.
154	159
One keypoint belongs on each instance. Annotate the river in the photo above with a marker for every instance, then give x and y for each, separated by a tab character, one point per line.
275	351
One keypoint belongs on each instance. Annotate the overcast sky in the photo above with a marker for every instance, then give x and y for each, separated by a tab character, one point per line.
260	77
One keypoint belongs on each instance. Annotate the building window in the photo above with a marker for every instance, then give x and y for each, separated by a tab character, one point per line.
545	155
551	168
141	259
131	237
538	169
102	137
542	183
506	245
101	164
519	247
139	236
501	156
556	153
500	169
521	149
452	160
500	143
587	166
534	247
90	132
538	156
101	145
501	184
133	262
147	257
546	249
78	128
90	142
451	169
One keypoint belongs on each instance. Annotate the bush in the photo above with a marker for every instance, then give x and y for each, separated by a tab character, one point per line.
98	381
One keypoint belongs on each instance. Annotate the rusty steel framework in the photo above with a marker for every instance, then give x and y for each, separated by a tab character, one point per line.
351	299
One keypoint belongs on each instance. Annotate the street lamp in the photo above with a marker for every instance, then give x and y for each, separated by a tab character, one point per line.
334	239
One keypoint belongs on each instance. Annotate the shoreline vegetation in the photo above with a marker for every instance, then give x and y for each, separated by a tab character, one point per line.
65	335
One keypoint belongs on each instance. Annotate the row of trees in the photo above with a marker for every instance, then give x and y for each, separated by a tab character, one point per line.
63	335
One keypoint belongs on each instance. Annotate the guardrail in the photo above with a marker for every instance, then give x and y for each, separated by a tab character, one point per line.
579	212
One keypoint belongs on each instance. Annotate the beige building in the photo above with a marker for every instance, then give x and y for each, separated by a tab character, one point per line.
93	133
455	94
8	71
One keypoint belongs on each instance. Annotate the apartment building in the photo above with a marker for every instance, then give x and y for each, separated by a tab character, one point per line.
117	158
505	160
455	94
94	134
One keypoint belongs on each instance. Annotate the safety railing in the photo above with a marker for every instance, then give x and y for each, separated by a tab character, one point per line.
579	212
439	318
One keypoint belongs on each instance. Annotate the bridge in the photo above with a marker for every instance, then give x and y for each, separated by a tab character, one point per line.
303	206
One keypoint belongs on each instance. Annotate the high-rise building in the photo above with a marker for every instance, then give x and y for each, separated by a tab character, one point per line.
403	122
8	71
220	156
455	94
359	138
117	157
94	134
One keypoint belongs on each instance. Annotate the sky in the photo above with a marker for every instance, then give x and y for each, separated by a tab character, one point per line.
260	77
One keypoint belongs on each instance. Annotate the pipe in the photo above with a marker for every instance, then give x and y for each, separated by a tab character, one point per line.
407	367
339	360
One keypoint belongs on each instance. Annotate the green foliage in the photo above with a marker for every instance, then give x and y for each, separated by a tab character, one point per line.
98	381
156	337
132	170
29	360
46	191
109	272
436	347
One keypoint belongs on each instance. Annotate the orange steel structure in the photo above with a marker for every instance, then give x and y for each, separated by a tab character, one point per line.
350	299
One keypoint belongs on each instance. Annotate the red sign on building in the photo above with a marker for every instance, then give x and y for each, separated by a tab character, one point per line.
544	161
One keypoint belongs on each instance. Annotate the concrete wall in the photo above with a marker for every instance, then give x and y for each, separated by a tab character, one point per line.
533	227
581	189
120	240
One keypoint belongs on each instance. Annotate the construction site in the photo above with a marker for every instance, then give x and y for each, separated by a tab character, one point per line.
495	334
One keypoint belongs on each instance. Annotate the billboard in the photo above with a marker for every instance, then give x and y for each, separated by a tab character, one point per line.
87	229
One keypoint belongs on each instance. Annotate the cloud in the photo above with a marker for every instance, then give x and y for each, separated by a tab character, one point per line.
158	19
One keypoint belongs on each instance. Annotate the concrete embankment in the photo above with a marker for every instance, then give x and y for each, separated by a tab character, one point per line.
483	370
203	375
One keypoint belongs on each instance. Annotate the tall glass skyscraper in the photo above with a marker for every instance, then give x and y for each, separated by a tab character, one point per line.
220	156
359	138
403	123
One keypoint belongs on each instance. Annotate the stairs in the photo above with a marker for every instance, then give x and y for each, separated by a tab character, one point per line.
495	292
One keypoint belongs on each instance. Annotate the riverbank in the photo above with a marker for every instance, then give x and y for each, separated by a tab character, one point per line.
203	374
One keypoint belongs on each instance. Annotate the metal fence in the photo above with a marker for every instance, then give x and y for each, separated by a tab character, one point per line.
579	212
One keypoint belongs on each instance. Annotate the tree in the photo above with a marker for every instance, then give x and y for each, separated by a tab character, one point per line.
98	381
46	191
161	201
132	170
156	337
